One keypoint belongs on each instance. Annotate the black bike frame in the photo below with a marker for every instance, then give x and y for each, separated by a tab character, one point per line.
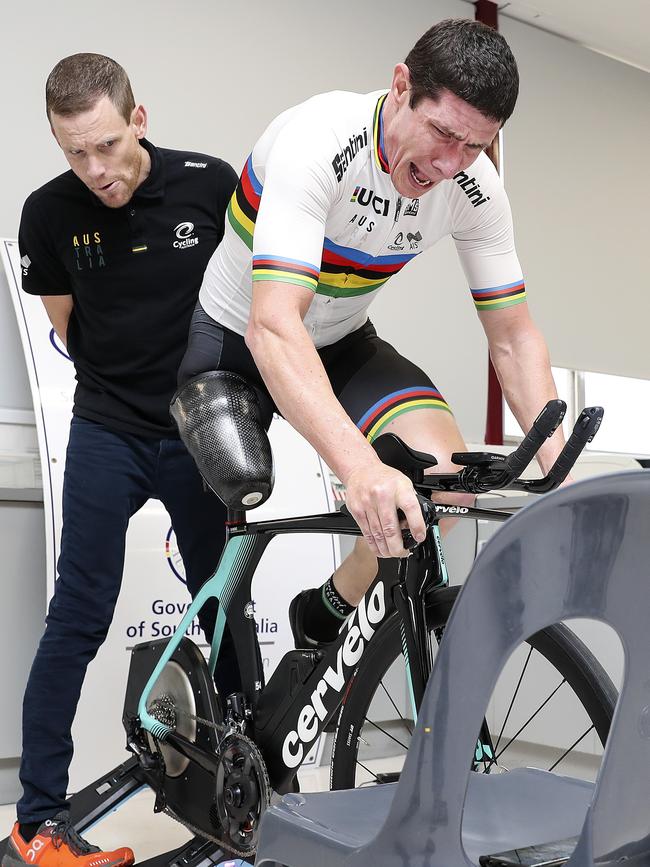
287	715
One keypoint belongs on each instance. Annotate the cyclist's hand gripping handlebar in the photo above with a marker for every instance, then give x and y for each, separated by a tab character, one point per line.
429	515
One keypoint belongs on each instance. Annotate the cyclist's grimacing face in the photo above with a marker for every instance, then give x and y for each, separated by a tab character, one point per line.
433	141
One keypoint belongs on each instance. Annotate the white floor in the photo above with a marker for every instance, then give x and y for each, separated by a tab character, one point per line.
147	834
135	824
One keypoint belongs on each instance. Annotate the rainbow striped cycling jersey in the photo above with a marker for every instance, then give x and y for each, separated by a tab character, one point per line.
315	207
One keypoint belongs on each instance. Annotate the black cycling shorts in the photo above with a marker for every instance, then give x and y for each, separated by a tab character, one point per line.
372	381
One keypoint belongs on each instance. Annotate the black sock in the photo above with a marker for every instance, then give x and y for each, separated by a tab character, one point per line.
325	612
28	830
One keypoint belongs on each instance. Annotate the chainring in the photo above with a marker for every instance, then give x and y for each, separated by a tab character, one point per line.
241	787
243	792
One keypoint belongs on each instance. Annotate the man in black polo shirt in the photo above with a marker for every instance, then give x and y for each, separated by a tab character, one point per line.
116	248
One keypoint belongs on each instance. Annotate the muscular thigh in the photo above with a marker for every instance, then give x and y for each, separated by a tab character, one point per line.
384	392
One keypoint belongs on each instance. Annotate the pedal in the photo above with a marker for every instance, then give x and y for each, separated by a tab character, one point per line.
389	777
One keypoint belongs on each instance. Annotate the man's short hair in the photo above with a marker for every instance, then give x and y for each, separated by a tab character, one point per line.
77	82
469	59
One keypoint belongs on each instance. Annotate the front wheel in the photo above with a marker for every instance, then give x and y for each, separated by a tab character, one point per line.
552	692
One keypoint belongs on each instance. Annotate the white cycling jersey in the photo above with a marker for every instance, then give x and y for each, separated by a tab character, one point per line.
316	207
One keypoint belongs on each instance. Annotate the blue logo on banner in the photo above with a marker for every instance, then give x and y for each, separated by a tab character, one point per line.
54	340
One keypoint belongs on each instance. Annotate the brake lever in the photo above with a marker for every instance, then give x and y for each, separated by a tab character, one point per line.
584	430
428	513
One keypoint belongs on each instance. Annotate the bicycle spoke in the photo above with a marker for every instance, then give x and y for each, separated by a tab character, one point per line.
368	771
573	746
529	720
514	697
527	686
388	734
388	695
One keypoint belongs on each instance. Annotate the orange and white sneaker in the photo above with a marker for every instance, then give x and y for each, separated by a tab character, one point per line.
57	844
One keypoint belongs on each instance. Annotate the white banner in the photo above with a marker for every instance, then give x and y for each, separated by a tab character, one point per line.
153	596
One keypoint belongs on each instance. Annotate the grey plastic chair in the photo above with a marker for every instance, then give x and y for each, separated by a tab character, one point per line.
583	551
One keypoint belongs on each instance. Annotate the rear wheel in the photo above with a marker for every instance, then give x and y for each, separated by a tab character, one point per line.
553	684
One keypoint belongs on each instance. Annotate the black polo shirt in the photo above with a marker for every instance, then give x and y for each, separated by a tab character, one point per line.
134	274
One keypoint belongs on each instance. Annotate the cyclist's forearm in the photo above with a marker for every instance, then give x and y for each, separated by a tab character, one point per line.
524	371
296	379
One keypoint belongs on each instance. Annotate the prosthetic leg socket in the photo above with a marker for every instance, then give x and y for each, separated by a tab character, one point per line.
219	419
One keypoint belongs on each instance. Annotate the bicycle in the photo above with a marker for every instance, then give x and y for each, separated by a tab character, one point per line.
214	766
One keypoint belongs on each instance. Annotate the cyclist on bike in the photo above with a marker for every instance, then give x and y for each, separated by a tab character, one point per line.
338	195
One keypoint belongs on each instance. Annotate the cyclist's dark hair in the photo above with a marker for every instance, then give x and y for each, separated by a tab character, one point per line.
77	82
471	60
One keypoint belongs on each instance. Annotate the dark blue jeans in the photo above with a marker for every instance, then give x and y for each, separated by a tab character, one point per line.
108	477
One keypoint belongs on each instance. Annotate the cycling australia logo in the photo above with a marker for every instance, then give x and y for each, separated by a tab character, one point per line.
185	236
398	243
173	556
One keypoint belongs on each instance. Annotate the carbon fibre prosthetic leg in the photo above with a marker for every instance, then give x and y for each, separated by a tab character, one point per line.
220	420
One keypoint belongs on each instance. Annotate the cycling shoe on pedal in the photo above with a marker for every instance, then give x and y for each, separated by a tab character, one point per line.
57	844
297	610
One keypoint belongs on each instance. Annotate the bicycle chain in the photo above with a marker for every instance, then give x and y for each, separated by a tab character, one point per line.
199	832
224	732
167	705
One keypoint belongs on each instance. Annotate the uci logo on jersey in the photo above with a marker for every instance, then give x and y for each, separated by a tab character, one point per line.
362	196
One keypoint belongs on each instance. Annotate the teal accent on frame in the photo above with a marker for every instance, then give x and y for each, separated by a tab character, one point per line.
411	693
483	751
409	681
214	586
441	557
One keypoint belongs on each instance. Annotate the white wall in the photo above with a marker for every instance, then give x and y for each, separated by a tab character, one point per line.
576	174
212	74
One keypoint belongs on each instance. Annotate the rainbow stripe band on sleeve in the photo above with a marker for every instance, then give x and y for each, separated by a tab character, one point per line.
244	204
498	297
392	405
285	271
